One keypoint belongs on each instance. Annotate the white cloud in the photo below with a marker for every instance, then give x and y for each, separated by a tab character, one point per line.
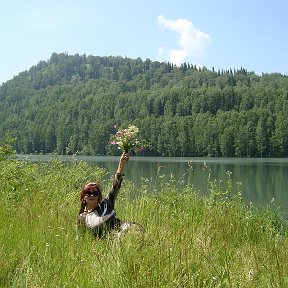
191	43
161	51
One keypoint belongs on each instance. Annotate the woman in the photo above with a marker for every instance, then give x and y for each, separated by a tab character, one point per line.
97	213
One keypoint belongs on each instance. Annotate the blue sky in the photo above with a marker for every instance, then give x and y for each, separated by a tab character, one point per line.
222	34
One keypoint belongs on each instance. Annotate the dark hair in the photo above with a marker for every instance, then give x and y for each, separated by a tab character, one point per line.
86	188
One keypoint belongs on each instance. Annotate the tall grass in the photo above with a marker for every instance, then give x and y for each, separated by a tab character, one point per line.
189	241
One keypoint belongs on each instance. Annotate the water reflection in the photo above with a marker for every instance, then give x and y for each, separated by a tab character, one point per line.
261	179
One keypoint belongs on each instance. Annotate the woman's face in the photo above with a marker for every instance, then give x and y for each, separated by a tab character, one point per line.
92	196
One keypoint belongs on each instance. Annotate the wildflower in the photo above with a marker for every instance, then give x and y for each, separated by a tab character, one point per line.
250	274
127	139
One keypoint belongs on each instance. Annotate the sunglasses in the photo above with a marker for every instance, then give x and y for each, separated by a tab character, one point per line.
93	193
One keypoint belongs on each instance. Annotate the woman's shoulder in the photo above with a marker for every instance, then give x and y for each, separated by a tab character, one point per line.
105	201
82	215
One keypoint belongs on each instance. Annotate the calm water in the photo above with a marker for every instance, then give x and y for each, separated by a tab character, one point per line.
261	179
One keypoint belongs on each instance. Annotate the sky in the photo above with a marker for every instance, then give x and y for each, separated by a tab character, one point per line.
222	34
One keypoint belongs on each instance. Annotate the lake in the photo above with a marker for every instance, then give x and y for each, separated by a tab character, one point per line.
262	179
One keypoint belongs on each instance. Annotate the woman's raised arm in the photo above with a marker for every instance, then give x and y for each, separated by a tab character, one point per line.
122	162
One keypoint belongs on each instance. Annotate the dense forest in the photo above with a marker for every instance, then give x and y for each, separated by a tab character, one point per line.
70	104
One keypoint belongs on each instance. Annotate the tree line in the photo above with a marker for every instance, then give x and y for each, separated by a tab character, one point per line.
70	104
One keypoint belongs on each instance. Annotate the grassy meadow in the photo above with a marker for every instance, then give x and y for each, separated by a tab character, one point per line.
190	241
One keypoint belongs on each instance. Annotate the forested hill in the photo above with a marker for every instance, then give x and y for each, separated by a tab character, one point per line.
71	103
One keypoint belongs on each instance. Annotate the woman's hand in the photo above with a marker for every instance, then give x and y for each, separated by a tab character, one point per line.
124	158
122	162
